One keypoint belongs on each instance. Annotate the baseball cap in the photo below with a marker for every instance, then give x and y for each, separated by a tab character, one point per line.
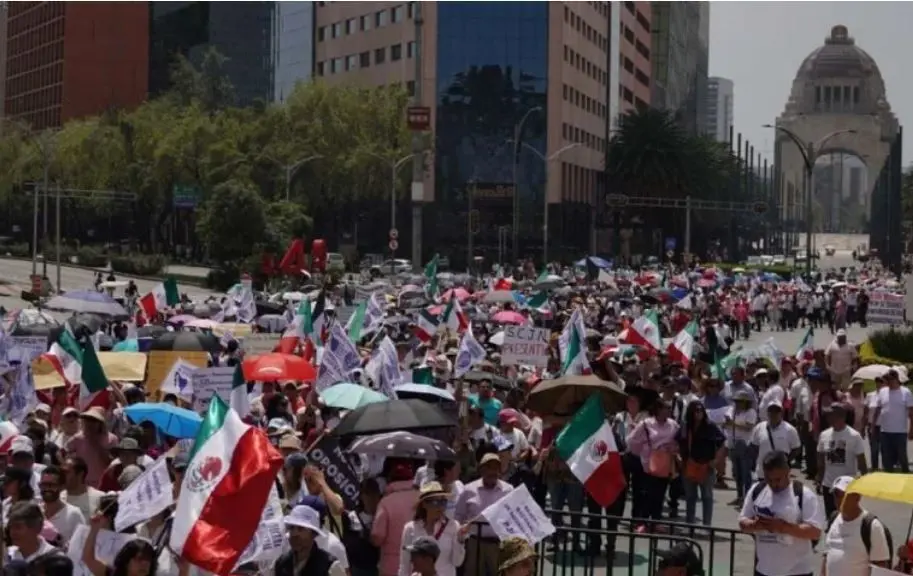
426	546
22	445
842	483
490	457
841	332
775	405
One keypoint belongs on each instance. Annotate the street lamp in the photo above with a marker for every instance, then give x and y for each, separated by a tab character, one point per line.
518	132
547	160
290	170
810	152
394	170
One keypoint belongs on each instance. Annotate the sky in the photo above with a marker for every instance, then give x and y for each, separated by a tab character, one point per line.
760	45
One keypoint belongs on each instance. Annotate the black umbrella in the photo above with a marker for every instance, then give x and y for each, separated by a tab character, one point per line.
85	323
496	380
151	331
390	416
264	307
33	329
403	445
187	342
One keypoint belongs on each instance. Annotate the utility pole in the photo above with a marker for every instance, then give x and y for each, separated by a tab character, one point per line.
418	169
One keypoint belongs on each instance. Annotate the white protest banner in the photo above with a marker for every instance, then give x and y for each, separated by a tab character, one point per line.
179	381
525	345
208	382
145	497
885	308
107	545
517	514
27	348
269	538
259	343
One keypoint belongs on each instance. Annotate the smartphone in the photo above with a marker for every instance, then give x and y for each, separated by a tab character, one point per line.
765	512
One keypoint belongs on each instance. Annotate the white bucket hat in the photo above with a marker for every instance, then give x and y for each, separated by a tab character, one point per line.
305	517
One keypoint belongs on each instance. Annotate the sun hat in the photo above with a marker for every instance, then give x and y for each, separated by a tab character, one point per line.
94	413
305	517
490	457
431	490
512	551
290	441
129	445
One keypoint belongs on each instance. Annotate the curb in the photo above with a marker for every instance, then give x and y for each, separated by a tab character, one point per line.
196	281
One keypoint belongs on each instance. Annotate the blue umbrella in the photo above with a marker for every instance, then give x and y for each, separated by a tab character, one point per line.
171	420
349	396
87	301
130	345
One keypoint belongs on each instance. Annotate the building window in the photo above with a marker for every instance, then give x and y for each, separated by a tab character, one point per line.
642	20
629	35
628	95
846	95
396	52
351	26
365	22
321	33
337	29
320	68
364	60
564	90
631	7
410	10
410	50
629	65
827	96
380	55
396	14
351	62
642	78
855	94
380	19
817	94
410	87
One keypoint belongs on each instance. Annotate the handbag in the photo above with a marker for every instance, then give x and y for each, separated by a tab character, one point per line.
695	472
660	462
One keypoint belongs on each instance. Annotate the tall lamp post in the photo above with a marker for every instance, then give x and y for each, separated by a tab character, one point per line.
547	160
518	133
394	170
810	152
290	170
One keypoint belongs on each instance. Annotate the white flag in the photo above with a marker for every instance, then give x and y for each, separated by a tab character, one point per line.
145	497
517	514
470	353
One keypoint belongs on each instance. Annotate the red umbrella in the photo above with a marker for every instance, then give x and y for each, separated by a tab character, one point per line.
508	317
275	367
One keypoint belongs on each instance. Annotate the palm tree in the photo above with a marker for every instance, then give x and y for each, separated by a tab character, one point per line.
648	155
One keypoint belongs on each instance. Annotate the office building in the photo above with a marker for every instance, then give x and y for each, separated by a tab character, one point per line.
488	69
71	59
720	97
293	46
634	64
680	56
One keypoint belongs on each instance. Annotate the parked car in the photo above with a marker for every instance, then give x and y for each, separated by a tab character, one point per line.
335	262
396	266
829	250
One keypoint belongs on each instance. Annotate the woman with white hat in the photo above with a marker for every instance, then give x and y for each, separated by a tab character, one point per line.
304	556
431	521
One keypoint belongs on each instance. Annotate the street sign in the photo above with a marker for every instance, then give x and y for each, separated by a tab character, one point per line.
393	245
418	118
185	196
617	200
394	233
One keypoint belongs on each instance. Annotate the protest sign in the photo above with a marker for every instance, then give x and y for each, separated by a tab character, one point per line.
27	348
517	514
885	308
208	382
145	497
525	345
266	545
258	343
119	366
107	545
327	455
161	361
178	380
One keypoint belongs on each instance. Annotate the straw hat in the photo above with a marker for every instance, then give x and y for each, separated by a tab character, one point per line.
431	490
512	551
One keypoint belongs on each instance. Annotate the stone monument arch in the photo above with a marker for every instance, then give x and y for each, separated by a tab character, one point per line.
837	104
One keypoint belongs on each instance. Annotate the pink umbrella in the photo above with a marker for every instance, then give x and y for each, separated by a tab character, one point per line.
706	283
182	319
202	324
461	295
508	317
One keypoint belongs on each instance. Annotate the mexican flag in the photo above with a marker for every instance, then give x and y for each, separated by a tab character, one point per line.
231	471
645	331
806	349
164	294
240	403
587	445
426	326
572	346
681	349
454	318
431	287
78	365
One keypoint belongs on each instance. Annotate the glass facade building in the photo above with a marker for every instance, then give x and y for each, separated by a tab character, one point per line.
491	72
294	46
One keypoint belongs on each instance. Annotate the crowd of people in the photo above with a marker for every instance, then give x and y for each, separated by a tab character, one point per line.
722	419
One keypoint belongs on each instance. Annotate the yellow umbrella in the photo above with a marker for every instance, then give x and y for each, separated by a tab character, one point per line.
884	486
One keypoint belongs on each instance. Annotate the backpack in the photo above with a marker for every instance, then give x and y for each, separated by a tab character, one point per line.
865	531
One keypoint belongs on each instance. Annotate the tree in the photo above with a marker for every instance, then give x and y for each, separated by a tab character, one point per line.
233	221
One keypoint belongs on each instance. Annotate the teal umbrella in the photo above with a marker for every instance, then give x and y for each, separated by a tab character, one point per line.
131	345
349	396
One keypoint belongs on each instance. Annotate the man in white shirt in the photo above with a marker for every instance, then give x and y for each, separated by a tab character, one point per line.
895	413
66	518
773	435
841	452
840	356
870	427
24	524
77	492
785	518
855	539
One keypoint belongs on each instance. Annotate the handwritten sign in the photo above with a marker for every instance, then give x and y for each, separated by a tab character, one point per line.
517	514
525	345
886	308
327	455
145	497
208	382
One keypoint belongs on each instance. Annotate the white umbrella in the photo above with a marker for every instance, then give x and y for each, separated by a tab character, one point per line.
879	370
499	297
114	284
293	296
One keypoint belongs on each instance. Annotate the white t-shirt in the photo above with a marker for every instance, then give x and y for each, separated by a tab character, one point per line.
749	416
841	450
779	554
518	440
841	357
785	439
871	402
801	395
67	520
87	502
775	393
845	552
894	405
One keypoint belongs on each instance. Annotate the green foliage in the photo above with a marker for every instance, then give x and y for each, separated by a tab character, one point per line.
285	221
87	256
233	221
888	346
139	264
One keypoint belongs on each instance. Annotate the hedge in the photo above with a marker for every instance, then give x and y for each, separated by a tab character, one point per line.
93	257
889	346
138	264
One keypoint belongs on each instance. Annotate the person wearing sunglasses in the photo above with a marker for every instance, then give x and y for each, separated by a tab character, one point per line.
430	521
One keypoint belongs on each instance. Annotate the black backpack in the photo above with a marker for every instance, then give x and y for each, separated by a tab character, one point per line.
865	531
797	491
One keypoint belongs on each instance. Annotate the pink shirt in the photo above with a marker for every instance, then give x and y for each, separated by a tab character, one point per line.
97	459
662	436
395	509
